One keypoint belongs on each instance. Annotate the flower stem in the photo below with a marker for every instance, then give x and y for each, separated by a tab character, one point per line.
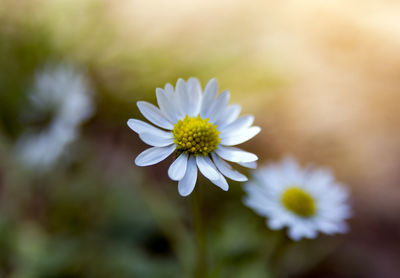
201	270
283	244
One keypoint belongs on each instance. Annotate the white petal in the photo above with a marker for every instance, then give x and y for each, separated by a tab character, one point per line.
290	167
177	169
166	105
169	90
239	124
187	184
154	155
327	227
218	106
157	139
181	97
139	126
310	233
258	194
154	115
290	171
257	206
193	89
210	93
235	154
251	165
239	138
221	182
275	224
227	170
207	168
229	114
295	233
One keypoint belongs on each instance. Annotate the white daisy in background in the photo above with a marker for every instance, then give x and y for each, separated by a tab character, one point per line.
59	101
200	128
307	201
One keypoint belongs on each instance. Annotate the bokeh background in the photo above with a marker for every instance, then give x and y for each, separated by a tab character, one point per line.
321	77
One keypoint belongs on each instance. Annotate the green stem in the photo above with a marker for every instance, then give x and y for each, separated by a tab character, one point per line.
276	260
202	266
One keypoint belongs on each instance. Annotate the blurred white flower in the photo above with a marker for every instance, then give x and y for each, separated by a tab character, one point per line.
307	201
60	100
201	128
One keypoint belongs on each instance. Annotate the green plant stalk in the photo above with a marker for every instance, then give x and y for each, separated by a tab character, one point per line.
201	270
281	247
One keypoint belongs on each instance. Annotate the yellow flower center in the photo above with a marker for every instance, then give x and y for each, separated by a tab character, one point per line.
299	202
195	135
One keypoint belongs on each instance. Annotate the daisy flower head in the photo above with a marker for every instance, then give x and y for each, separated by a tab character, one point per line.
58	102
306	201
200	128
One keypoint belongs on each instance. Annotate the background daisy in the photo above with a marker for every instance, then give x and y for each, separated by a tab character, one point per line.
200	128
59	101
307	201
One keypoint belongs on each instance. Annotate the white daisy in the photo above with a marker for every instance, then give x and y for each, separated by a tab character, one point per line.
59	101
307	201
200	128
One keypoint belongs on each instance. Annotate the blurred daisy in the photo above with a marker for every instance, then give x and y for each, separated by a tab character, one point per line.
307	201
200	128
59	101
